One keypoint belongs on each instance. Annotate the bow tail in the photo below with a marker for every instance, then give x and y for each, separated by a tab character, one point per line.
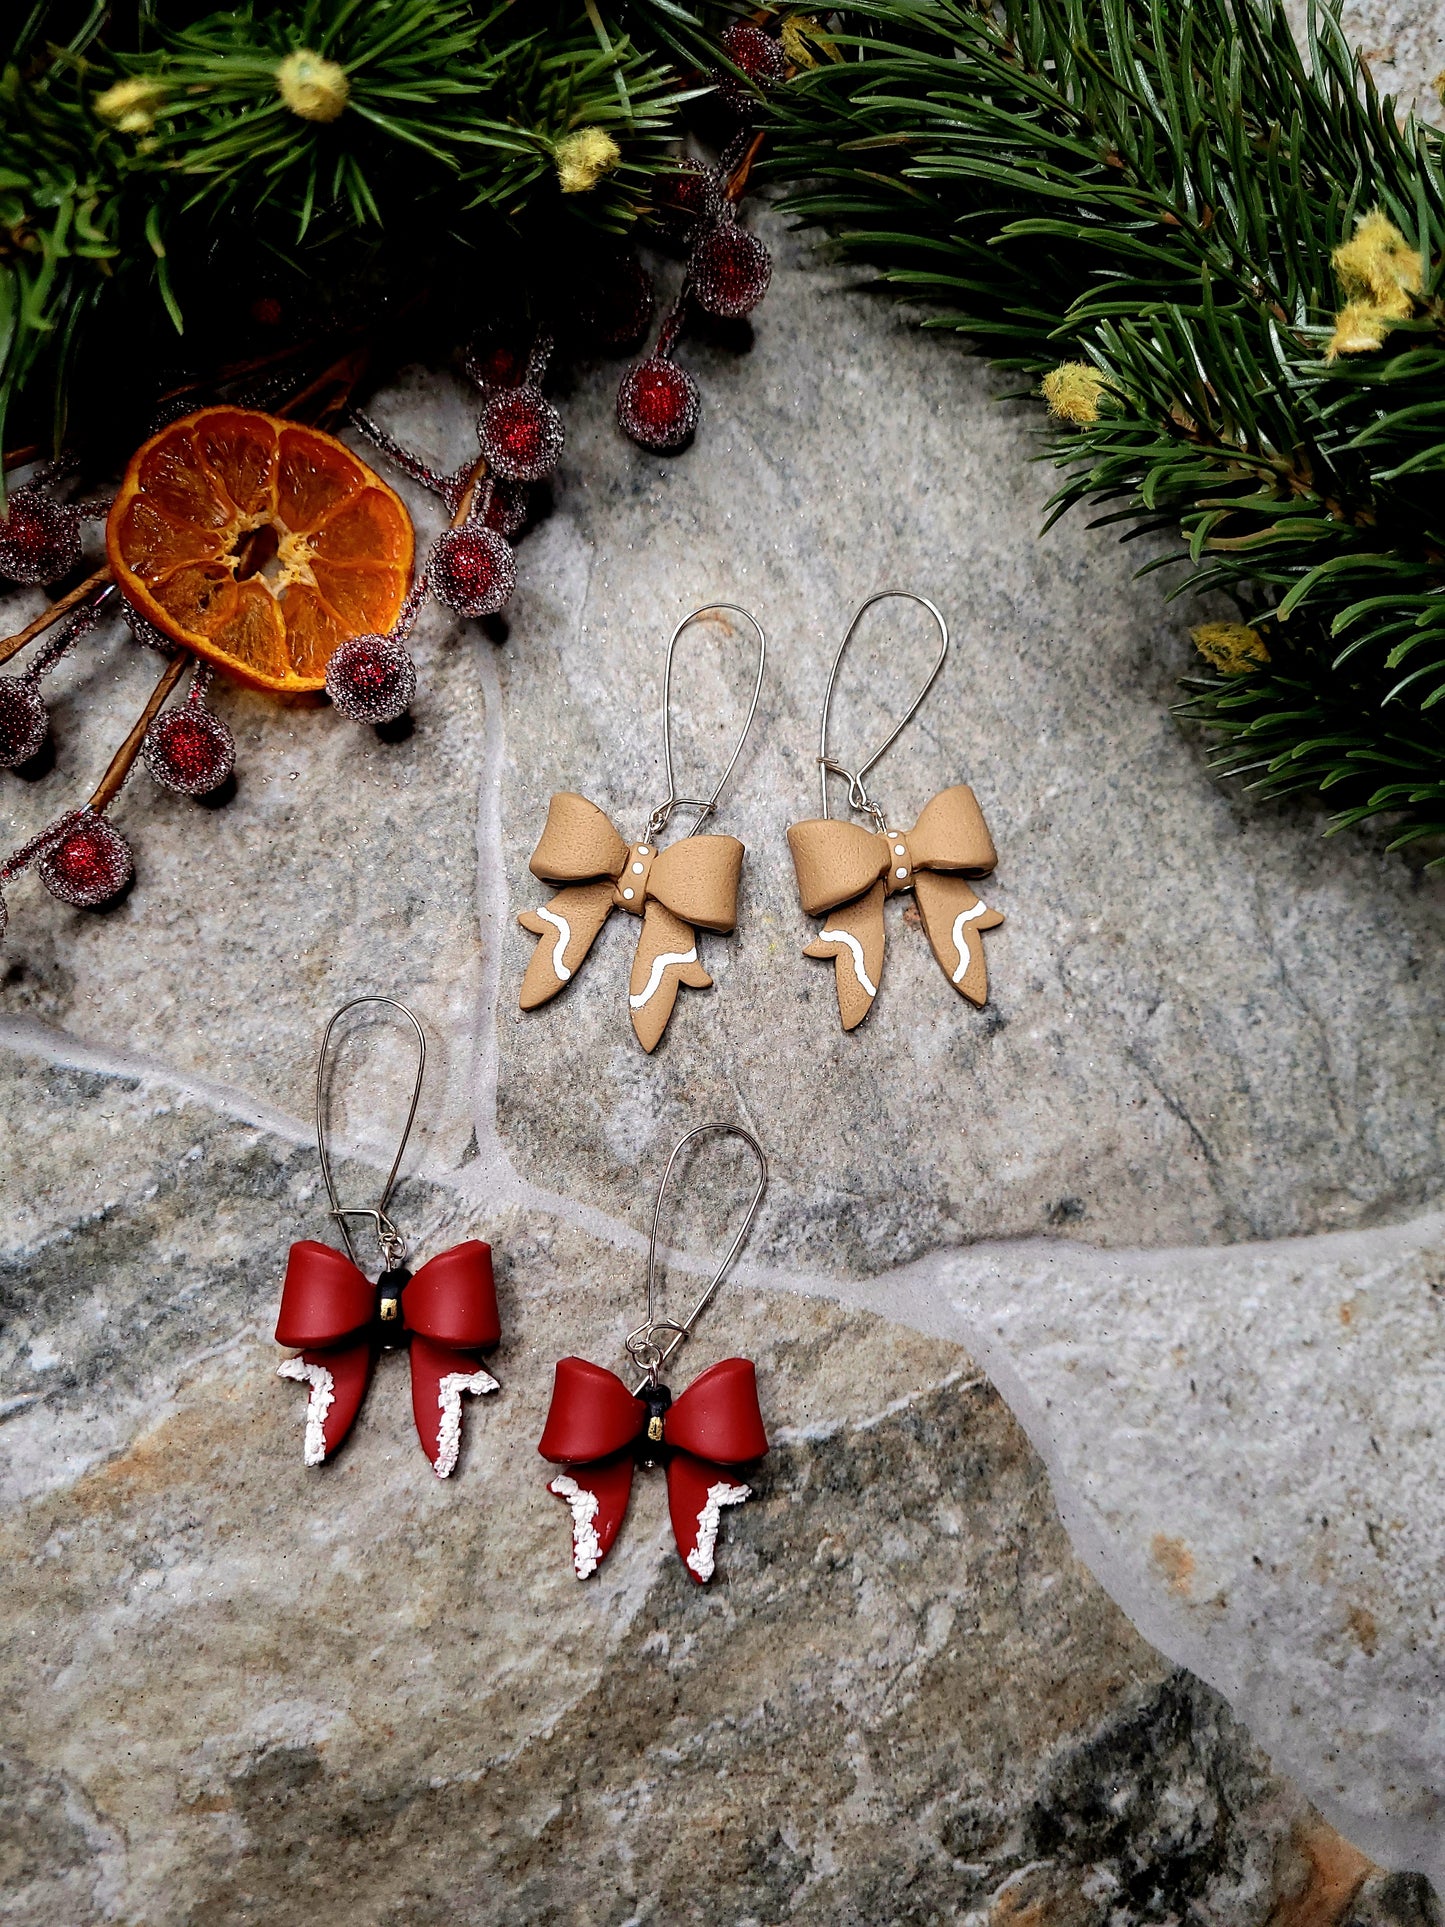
697	1491
439	1376
568	925
666	957
954	918
852	936
336	1382
597	1495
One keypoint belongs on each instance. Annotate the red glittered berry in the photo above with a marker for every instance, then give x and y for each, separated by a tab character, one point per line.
729	270
472	570
760	58
87	866
658	404
39	537
521	434
189	750
24	721
371	679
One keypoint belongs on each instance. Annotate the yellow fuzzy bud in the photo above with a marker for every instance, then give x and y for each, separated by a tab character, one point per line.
799	35
1233	648
1360	328
313	88
584	157
131	105
1072	391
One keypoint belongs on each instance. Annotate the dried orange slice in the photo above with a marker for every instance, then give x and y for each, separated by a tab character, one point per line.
260	544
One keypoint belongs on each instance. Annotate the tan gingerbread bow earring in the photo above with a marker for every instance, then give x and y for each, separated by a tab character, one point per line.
692	885
845	872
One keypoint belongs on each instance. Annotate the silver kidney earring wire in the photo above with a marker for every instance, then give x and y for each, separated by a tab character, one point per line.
658	821
388	1238
858	797
643	1346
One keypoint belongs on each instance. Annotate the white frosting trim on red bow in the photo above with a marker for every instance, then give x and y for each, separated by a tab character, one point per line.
449	1398
586	1546
323	1391
700	1559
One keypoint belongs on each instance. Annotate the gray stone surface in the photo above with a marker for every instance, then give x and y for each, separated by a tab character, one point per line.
1172	1191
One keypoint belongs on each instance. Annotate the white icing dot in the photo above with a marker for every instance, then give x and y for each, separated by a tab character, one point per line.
637	869
628	894
642	849
900	873
898	850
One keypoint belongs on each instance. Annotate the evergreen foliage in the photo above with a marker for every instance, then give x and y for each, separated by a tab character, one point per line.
166	161
1174	195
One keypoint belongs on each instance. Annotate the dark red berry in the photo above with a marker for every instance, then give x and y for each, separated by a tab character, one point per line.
658	404
24	721
618	303
266	310
509	508
473	571
521	434
88	866
371	679
39	537
687	197
729	270
761	60
490	364
189	750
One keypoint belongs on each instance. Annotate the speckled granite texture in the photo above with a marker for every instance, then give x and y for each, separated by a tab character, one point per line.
1094	1575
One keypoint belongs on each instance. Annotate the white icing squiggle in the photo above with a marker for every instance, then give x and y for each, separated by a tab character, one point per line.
323	1391
561	925
963	917
449	1398
846	936
586	1546
700	1559
659	965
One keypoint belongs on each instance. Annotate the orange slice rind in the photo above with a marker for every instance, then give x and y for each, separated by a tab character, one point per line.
260	544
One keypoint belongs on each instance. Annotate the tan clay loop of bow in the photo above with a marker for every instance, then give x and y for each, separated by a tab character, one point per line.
845	872
690	885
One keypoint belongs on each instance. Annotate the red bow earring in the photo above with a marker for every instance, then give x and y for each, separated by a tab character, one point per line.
598	1430
340	1322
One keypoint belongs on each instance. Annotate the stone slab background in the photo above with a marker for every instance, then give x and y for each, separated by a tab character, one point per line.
1174	1196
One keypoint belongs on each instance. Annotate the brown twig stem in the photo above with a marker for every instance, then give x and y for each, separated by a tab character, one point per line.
120	764
475	479
738	183
12	645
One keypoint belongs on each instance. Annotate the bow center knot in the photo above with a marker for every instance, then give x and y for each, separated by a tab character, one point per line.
899	874
656	1398
389	1287
630	890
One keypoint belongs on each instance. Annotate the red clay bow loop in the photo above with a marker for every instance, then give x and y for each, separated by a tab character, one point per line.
599	1432
340	1322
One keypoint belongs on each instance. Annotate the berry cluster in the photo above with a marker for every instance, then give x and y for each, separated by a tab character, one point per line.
728	269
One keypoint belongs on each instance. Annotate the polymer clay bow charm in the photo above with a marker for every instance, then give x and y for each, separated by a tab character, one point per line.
690	886
339	1322
600	1432
846	872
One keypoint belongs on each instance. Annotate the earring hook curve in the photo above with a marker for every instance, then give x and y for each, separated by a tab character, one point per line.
393	1245
858	796
642	1347
660	817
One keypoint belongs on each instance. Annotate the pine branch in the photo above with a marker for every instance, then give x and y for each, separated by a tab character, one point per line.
1157	189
